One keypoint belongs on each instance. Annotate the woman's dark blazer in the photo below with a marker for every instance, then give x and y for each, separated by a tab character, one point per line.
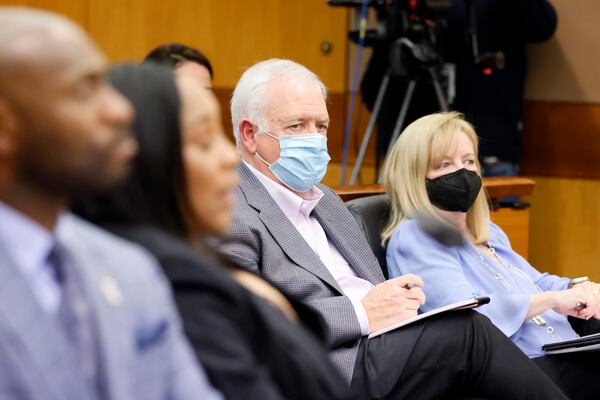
249	349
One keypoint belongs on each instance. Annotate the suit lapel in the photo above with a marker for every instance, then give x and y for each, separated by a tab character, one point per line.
114	349
282	230
39	340
341	230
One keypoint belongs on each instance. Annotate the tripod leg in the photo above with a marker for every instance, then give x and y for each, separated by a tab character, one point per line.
369	131
399	123
438	90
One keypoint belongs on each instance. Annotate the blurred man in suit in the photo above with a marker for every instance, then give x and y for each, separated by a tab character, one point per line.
300	236
83	314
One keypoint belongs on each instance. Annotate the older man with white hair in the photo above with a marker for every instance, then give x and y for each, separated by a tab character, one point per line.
299	235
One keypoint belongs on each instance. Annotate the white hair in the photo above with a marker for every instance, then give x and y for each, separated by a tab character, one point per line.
250	94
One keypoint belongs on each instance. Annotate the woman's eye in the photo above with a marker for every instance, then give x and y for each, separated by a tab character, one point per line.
470	162
202	139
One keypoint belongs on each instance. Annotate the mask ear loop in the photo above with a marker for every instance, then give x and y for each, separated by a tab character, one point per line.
268	134
270	168
262	159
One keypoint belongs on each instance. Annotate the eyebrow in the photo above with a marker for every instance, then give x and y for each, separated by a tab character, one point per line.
304	118
466	155
446	157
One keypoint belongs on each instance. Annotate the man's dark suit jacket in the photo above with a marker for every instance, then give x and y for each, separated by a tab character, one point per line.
249	349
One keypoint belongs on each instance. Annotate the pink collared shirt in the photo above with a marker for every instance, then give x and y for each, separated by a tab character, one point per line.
298	210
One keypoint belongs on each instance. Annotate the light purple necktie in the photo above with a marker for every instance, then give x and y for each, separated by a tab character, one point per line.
76	316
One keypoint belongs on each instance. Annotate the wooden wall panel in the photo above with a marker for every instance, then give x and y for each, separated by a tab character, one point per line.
338	108
233	34
515	223
565	227
566	67
74	9
561	139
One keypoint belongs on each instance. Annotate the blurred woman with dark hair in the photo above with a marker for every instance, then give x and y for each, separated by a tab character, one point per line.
180	189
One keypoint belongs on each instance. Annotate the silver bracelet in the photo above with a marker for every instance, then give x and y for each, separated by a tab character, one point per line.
575	281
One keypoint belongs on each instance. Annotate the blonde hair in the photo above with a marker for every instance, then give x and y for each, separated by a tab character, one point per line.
422	144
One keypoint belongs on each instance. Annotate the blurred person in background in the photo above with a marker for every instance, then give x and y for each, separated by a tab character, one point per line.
183	58
490	97
84	315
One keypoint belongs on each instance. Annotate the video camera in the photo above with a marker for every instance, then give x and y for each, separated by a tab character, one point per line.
411	28
414	29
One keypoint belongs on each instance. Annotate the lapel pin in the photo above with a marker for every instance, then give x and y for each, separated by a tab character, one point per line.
111	291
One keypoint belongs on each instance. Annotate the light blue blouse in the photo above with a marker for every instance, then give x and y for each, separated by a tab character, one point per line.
455	273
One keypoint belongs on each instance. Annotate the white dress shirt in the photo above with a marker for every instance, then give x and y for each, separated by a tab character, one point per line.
28	245
298	210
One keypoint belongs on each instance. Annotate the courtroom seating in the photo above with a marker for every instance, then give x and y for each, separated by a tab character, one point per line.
371	213
514	221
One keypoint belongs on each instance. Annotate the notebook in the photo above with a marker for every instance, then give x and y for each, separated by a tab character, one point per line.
459	305
583	343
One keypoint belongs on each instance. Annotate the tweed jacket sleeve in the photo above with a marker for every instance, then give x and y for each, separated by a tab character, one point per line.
250	244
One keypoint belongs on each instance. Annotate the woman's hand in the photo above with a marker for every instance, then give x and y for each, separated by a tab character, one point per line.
592	291
569	300
566	302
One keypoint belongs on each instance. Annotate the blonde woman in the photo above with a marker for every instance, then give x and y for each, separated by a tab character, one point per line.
433	171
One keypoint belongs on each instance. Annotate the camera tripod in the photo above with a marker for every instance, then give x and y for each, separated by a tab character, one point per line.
433	75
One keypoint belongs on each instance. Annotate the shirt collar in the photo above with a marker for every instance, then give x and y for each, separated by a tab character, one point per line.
27	242
292	205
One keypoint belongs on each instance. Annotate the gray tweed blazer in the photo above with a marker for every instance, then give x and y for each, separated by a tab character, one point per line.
262	239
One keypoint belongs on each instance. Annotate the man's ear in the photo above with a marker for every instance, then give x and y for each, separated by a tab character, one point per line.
8	130
248	132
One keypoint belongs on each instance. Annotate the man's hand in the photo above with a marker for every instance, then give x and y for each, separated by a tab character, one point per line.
393	301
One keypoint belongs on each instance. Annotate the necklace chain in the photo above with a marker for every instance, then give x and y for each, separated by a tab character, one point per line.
538	320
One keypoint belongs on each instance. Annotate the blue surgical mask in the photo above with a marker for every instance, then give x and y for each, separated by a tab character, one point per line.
302	160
